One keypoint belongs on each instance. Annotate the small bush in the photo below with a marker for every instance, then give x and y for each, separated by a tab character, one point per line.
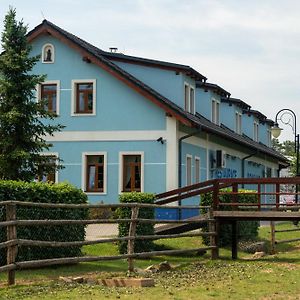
247	230
39	192
141	229
101	213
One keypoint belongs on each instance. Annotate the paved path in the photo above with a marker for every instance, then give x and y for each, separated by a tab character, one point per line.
98	231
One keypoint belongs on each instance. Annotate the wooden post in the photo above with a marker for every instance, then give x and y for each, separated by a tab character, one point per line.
234	198
272	223
234	240
213	239
216	195
132	233
11	235
277	195
258	196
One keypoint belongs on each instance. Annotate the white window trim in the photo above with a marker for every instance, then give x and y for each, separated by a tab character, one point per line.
55	154
189	97
43	54
186	168
121	154
197	158
214	111
39	92
84	171
238	117
73	95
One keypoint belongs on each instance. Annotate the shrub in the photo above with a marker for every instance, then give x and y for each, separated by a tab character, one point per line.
141	229
247	230
39	192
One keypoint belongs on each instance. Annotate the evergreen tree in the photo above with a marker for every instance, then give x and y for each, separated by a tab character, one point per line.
22	126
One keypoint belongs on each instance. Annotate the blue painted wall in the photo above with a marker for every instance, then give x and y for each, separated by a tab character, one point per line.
118	106
154	163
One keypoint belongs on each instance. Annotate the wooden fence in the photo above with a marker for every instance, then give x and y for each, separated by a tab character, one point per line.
12	242
275	242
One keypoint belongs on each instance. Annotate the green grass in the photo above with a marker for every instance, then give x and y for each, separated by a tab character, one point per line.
271	277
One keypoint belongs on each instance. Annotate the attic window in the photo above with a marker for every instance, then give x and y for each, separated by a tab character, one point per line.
48	54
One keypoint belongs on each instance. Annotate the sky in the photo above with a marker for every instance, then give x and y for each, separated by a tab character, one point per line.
249	48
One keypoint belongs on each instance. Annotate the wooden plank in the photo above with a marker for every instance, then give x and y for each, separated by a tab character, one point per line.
213	238
287	241
257	215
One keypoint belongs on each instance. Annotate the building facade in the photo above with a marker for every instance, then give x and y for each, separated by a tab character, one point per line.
135	124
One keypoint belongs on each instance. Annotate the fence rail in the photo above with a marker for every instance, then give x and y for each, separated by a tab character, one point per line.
13	223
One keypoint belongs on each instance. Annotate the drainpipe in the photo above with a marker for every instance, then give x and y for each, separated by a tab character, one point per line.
243	163
180	162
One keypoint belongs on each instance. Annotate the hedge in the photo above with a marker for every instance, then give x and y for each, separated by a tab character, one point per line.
247	230
141	229
39	192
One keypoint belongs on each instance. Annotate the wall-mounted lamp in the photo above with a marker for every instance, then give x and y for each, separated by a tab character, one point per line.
160	139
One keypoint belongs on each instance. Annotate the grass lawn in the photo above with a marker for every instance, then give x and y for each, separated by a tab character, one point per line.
196	277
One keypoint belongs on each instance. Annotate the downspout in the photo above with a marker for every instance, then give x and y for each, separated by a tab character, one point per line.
180	162
243	163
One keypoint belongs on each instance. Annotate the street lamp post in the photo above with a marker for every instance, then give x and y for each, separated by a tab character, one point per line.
291	120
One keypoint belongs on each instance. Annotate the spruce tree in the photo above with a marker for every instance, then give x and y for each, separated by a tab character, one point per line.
22	117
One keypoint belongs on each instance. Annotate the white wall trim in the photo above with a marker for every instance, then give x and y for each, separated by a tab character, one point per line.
83	172
171	154
122	135
73	97
197	158
121	154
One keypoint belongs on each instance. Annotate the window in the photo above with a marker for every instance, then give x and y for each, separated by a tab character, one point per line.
188	170
197	169
49	93
189	99
132	173
215	115
94	172
84	97
47	170
238	123
48	54
255	131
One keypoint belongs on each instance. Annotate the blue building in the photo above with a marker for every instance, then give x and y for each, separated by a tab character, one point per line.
136	124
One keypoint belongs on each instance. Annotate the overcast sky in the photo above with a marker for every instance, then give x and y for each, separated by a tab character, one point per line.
250	48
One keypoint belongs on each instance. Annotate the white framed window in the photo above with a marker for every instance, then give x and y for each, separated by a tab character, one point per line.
94	172
255	131
215	111
238	123
197	169
48	54
49	92
189	98
131	171
188	169
83	97
48	173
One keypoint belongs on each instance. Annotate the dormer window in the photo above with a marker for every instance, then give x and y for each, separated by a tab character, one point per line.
48	54
255	131
238	123
189	98
215	111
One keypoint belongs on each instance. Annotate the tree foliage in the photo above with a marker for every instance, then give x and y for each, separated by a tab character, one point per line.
22	118
287	148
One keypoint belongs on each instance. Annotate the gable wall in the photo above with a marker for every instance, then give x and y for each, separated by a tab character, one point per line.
118	106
